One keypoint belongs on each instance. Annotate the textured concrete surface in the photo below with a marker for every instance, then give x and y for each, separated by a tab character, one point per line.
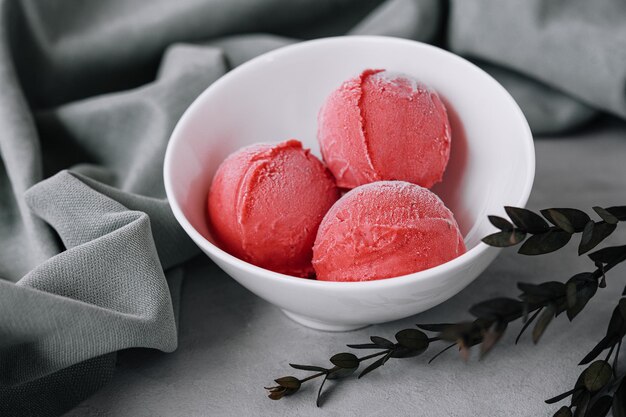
233	343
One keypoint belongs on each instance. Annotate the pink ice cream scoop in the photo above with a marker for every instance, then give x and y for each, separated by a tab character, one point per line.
266	203
385	229
384	126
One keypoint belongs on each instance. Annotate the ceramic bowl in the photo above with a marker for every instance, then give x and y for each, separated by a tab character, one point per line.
277	96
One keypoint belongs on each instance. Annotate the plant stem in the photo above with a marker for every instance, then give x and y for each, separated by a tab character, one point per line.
373	355
302	381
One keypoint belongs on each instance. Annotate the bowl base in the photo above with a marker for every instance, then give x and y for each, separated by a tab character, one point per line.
322	325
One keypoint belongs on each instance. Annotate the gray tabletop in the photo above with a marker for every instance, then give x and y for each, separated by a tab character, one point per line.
232	343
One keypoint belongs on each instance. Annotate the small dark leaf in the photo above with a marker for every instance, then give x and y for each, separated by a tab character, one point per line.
491	337
345	360
563	412
308	367
618	211
450	346
570	220
579	289
505	239
364	346
542	293
571	293
601	407
527	323
585	239
318	402
560	397
376	364
543	321
290	382
382	342
501	223
456	331
403	352
498	308
599	232
602	345
433	327
619	400
610	256
583	404
622	308
527	220
579	390
412	339
597	375
544	243
606	215
341	373
559	220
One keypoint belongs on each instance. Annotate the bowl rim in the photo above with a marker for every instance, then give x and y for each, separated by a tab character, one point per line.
391	282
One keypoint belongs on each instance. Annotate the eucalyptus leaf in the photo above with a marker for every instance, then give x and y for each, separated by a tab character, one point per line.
491	337
341	373
583	404
601	407
364	346
527	323
403	352
585	239
597	375
345	360
318	401
619	400
580	289
498	308
308	367
412	339
599	232
505	238
611	255
376	364
543	321
603	344
618	211
563	412
579	390
560	397
290	382
568	219
501	223
527	220
622	308
382	342
542	293
606	215
543	243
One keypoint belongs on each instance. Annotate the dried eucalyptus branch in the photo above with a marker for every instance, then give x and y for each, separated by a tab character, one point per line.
598	389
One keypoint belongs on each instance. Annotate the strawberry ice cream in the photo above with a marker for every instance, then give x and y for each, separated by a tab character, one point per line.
266	203
385	229
384	126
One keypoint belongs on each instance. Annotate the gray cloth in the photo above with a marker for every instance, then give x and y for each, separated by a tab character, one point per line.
90	253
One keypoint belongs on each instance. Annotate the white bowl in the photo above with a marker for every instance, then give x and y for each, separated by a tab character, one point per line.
277	96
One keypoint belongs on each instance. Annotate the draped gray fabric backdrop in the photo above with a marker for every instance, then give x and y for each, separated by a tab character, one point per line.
90	254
